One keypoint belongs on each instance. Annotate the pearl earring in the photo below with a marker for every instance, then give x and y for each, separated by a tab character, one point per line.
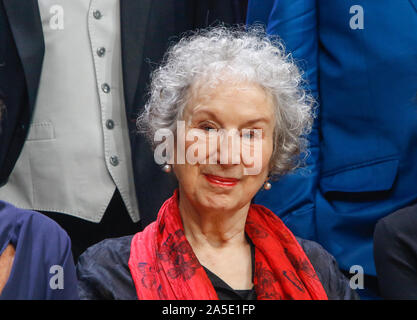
167	168
267	185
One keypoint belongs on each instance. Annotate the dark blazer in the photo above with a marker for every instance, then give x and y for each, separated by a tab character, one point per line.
147	29
395	254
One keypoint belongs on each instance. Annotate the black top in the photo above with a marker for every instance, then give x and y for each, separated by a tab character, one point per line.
103	273
395	253
224	291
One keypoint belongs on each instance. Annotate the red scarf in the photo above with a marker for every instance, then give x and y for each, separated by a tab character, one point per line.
164	266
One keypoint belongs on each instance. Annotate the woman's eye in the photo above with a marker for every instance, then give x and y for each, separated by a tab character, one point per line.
207	127
248	134
252	134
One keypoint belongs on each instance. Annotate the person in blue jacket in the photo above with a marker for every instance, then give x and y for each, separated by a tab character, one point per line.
360	61
36	262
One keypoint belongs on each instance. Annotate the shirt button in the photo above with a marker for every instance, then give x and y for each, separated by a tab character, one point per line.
110	124
114	161
101	51
105	87
97	14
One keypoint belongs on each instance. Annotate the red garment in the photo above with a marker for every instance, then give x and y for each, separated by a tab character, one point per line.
164	266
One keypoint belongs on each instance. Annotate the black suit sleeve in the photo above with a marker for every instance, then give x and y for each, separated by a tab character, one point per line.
395	254
333	280
103	272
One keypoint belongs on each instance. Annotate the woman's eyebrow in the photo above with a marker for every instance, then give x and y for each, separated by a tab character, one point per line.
201	110
214	116
255	121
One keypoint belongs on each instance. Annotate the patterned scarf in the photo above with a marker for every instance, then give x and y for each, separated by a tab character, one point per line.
164	266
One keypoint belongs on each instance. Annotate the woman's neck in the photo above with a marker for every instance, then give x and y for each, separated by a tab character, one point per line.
219	243
217	229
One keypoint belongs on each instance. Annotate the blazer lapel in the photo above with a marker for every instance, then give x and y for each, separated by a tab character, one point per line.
134	16
25	23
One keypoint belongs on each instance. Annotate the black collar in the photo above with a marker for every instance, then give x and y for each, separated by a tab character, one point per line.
224	291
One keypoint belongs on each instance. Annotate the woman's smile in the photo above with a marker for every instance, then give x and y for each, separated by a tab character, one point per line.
221	181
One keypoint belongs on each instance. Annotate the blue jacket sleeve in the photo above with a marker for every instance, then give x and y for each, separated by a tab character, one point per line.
43	266
292	198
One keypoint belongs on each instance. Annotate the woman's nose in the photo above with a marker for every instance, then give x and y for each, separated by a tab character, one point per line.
229	148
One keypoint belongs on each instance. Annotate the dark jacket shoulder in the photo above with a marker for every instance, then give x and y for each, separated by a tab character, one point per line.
103	272
395	254
333	280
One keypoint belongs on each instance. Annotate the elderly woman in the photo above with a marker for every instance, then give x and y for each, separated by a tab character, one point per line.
209	241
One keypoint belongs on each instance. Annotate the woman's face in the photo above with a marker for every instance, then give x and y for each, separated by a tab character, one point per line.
226	181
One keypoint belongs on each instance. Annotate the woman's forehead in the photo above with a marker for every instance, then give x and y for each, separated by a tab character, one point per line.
242	99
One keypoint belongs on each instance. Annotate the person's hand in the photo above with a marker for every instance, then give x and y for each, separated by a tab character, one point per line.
6	263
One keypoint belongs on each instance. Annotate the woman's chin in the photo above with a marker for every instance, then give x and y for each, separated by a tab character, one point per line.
220	202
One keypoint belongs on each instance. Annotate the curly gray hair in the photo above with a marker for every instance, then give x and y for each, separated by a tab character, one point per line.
247	54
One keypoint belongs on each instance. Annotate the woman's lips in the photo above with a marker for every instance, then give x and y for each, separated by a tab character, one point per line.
221	181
